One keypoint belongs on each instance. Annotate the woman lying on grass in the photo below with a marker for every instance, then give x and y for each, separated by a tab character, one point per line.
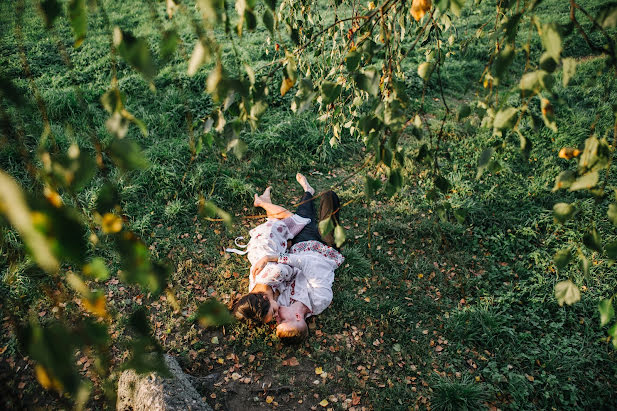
289	287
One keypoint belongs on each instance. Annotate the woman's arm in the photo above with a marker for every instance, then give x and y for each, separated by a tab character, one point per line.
261	263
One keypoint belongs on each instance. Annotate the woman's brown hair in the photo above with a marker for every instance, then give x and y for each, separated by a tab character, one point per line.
253	307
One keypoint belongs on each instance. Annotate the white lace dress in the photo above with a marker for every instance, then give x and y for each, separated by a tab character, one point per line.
270	238
315	263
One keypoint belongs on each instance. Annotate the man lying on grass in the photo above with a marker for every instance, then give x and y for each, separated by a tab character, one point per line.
308	291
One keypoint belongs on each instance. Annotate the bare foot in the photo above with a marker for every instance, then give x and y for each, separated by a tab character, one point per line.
304	183
264	198
266	195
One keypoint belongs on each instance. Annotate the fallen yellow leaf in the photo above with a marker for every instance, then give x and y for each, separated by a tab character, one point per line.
324	403
269	399
318	370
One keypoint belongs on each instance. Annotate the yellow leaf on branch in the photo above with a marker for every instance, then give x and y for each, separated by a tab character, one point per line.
568	153
419	8
286	85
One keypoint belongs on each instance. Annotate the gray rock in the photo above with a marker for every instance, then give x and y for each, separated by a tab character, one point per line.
150	392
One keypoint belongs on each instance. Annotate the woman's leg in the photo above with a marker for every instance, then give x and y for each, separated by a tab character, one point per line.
272	210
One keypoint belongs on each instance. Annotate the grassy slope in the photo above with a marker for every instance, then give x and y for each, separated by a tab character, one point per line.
444	313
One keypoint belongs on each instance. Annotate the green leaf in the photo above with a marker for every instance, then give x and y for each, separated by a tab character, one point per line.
371	186
525	144
200	55
137	267
613	333
268	20
330	92
607	17
563	212
212	313
78	18
510	26
569	68
456	6
107	198
51	10
504	119
463	112
395	182
250	19
339	235
424	70
271	4
583	263
494	167
326	226
96	269
136	52
592	240
595	155
169	43
562	258
607	312
551	40
564	180
484	160
14	207
503	60
548	114
440	210
567	292
52	346
460	214
442	184
612	213
211	10
10	91
127	155
352	61
146	352
209	210
536	81
586	181
611	250
368	80
238	147
548	62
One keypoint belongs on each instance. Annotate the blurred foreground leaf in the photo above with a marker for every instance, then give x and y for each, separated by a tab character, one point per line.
136	52
567	292
13	205
78	17
213	314
607	312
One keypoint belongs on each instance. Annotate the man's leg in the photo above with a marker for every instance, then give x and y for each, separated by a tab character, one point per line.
306	209
330	207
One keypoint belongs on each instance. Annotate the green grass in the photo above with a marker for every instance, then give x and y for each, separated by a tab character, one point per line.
458	316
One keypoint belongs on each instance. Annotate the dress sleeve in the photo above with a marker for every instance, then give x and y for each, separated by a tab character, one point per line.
293	260
295	224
